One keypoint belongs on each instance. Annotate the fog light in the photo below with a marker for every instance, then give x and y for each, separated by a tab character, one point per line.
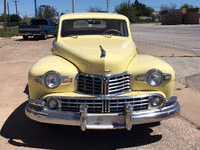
156	101
52	104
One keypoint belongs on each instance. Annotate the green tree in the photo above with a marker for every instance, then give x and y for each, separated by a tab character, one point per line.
27	19
95	9
172	6
186	6
126	10
133	10
2	18
47	12
15	18
165	7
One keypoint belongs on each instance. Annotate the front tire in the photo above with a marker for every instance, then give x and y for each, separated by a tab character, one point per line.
25	37
45	35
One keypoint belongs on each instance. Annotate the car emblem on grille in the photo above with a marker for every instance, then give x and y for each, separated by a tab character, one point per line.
105	80
103	52
104	71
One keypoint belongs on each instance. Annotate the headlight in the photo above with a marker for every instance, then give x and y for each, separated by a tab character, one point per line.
154	78
52	80
52	104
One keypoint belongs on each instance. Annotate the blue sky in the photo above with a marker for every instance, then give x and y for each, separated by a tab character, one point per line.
26	7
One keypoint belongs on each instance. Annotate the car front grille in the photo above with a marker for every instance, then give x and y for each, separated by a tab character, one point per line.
100	105
103	85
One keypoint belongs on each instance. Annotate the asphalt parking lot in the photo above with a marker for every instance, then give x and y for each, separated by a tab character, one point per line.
19	132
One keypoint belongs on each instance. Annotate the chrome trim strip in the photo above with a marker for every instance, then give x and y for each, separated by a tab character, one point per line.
36	102
104	71
172	99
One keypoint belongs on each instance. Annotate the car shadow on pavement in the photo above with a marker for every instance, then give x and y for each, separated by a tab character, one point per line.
24	132
34	39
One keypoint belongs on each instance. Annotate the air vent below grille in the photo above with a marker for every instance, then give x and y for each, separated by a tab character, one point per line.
98	105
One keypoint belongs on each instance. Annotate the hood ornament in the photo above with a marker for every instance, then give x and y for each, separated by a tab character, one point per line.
103	52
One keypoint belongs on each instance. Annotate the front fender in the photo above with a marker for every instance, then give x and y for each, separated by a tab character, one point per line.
51	63
141	64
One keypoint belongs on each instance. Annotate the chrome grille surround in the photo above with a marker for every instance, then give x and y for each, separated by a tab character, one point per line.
103	85
104	104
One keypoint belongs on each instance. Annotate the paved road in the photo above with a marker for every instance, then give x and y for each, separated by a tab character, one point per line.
183	38
19	132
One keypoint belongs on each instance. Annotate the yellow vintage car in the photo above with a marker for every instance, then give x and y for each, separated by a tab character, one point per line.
96	80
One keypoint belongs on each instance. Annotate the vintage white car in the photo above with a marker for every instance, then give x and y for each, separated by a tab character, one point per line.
96	80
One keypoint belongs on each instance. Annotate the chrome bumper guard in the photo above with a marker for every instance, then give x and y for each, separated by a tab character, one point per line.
87	120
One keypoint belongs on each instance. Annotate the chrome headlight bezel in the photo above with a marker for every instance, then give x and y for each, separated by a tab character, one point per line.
152	75
156	101
62	79
145	77
56	76
52	101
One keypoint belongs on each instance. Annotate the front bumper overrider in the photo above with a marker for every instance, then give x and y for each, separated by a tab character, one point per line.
85	120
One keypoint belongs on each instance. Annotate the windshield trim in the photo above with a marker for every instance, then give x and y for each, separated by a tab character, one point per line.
126	31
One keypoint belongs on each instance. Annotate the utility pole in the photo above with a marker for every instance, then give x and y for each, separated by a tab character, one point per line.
5	15
8	16
107	6
16	5
73	6
36	16
128	7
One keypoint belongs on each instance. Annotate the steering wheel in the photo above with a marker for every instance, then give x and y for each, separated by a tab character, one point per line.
116	32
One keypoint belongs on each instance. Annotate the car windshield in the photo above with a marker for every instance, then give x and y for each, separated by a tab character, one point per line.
94	27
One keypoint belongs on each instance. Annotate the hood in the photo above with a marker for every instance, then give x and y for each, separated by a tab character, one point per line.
96	55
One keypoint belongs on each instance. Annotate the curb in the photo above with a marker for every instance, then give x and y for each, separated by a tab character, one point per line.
189	102
14	37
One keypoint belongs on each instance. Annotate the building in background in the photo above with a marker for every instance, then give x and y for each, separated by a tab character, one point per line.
181	16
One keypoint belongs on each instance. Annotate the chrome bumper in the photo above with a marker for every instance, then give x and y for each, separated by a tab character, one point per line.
87	120
31	34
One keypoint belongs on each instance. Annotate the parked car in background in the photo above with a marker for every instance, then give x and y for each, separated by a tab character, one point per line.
38	27
95	78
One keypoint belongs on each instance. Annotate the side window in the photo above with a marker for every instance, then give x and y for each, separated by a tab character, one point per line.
123	28
52	23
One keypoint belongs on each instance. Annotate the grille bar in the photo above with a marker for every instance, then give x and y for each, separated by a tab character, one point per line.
116	83
120	90
101	105
119	86
103	85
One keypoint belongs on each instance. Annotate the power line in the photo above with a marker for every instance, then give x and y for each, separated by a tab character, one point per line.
16	5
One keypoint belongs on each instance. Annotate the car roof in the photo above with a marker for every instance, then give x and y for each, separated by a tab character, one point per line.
93	16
